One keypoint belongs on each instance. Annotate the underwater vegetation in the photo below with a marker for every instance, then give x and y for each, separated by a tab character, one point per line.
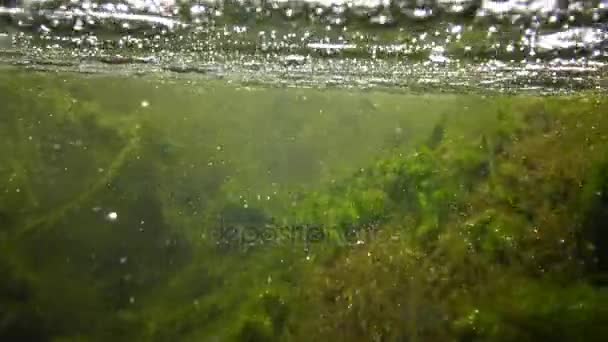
482	218
497	240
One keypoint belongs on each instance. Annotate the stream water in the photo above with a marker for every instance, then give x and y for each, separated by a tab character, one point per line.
303	170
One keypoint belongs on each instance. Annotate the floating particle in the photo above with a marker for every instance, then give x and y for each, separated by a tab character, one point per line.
112	216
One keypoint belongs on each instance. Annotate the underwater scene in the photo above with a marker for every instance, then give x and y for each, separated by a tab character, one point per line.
390	171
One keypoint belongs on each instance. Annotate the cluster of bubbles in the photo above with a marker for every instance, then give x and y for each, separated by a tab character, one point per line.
328	37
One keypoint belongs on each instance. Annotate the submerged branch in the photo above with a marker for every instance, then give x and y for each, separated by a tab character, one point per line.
52	217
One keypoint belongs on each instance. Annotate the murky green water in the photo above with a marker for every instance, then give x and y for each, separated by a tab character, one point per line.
303	170
172	209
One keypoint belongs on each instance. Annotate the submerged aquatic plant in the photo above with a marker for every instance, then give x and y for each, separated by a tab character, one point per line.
461	231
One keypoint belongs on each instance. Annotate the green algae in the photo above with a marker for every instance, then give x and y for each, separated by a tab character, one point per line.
297	214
